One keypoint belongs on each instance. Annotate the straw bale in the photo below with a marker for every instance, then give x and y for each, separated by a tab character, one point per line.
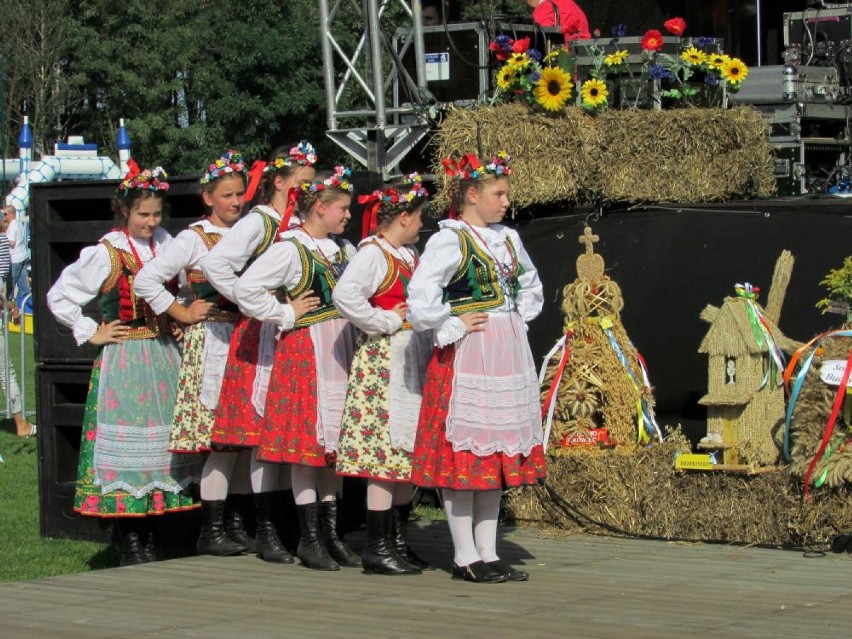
636	492
680	155
810	418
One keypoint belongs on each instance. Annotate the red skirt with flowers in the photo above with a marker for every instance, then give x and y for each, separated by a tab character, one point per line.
237	422
437	465
290	425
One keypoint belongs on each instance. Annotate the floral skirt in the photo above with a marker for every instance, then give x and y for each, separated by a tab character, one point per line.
436	465
290	422
89	499
236	421
365	448
193	421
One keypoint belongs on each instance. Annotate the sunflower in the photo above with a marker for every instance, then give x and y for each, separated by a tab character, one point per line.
614	59
519	61
693	56
506	77
553	89
594	93
734	71
717	60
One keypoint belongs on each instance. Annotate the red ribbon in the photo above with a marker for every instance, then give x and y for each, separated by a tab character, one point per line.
132	169
563	362
292	198
255	173
829	428
370	219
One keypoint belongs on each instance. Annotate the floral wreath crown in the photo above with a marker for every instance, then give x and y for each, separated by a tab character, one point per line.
339	180
147	180
374	200
470	168
230	162
303	154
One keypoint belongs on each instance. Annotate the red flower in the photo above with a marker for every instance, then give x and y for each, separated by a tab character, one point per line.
652	40
675	26
521	45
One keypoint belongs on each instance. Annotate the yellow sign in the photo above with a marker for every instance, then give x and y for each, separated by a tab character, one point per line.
694	461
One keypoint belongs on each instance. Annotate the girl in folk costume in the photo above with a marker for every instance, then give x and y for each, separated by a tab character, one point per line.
311	364
480	422
125	468
205	348
386	378
238	417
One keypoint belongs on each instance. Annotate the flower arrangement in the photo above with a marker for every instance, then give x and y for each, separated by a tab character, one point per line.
303	154
338	180
468	167
230	162
413	180
147	180
531	77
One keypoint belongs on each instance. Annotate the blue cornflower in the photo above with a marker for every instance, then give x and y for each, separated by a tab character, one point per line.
658	72
619	30
534	77
711	80
702	42
535	54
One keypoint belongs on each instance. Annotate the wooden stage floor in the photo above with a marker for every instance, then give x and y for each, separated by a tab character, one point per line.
580	587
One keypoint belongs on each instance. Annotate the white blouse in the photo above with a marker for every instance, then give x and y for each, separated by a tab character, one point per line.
361	280
229	256
184	252
80	282
441	259
278	267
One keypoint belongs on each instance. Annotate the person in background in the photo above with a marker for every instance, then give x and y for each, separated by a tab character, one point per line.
22	427
18	283
572	19
431	13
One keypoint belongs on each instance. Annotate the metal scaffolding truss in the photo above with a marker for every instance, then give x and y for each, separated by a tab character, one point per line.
363	116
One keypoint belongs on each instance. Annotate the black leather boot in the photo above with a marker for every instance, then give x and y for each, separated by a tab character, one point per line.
399	537
233	522
337	548
312	550
149	540
132	545
269	546
380	557
213	540
287	520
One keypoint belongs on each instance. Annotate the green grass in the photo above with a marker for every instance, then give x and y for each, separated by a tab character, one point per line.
24	554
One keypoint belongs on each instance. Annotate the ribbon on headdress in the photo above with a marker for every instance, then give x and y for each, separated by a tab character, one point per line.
255	173
292	198
132	169
370	218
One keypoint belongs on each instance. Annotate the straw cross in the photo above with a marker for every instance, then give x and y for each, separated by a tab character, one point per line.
588	238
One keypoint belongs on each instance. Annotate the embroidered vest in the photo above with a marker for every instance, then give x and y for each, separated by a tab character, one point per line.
475	286
393	289
117	300
204	290
318	277
270	233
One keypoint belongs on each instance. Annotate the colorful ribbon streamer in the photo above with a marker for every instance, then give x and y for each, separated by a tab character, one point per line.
255	173
549	405
370	218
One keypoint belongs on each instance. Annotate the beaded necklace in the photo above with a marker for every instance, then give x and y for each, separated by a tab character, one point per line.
336	269
133	247
506	273
397	255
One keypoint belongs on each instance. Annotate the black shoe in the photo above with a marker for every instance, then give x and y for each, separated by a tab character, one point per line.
380	557
287	519
399	538
233	523
212	540
512	574
337	548
132	546
478	572
312	551
269	547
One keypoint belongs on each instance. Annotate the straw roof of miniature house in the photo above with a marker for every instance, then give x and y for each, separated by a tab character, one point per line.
731	334
729	395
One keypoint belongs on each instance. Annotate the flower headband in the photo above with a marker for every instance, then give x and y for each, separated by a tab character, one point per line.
230	162
147	180
470	168
373	201
340	180
303	153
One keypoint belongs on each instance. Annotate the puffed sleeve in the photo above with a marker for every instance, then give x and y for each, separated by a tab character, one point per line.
531	296
229	256
277	267
426	307
181	253
357	285
78	285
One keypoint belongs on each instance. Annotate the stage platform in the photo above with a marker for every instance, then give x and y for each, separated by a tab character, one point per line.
580	587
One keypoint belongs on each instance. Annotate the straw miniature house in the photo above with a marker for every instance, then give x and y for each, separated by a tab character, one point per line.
745	399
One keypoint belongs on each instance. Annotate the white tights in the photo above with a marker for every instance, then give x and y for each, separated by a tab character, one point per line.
472	516
307	481
381	495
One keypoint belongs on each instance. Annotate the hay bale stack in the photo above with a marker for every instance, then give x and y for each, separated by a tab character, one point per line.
680	155
636	491
810	418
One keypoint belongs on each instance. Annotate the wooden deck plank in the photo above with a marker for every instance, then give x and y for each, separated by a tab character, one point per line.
580	586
